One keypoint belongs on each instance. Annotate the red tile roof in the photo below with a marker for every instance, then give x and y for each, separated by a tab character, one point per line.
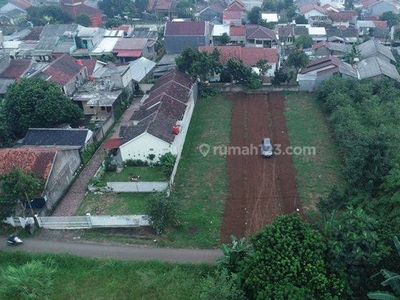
62	70
343	16
259	32
380	24
163	5
249	56
309	7
366	3
129	53
185	28
74	10
37	161
90	64
113	143
235	15
23	4
16	68
235	6
238	30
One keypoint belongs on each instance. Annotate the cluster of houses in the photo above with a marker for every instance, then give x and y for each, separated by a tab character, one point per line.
75	58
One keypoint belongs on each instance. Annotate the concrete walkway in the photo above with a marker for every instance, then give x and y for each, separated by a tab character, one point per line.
76	193
115	251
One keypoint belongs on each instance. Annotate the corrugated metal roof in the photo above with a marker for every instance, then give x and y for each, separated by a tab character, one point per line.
105	46
374	66
139	68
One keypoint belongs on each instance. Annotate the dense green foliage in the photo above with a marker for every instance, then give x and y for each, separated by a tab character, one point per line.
167	162
163	211
33	280
114	8
185	9
364	120
288	263
84	20
17	186
254	15
303	41
198	63
239	73
36	103
45	14
88	278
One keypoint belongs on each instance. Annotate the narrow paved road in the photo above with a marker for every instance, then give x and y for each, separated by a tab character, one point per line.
76	193
125	252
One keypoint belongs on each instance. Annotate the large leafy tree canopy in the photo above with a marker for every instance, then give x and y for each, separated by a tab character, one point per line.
198	63
83	19
288	263
113	8
42	15
37	103
17	186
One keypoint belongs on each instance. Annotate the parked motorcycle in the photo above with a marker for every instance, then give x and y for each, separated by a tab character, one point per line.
13	240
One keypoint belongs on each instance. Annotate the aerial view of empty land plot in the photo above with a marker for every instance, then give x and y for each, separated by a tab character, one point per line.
259	189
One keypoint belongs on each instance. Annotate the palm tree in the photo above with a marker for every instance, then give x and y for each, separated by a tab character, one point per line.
392	279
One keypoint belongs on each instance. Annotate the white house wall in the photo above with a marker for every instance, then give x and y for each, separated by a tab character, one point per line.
143	145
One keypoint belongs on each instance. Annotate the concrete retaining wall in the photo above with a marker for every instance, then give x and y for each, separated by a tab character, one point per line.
137	187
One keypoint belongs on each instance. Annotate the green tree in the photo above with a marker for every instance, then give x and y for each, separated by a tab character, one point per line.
163	211
17	186
167	162
141	5
298	59
354	246
117	8
390	17
222	285
34	103
254	15
112	23
242	74
198	64
301	19
42	15
263	66
33	280
392	279
225	39
303	41
234	254
185	9
288	263
349	4
83	19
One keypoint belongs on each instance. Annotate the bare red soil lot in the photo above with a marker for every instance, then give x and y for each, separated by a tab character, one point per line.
260	188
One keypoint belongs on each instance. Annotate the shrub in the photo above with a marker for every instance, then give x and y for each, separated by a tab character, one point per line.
167	162
135	163
110	165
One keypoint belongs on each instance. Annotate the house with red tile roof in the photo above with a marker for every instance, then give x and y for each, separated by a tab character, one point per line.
179	35
12	71
249	56
377	8
237	34
67	72
160	125
234	14
259	36
128	49
73	8
312	10
56	167
342	18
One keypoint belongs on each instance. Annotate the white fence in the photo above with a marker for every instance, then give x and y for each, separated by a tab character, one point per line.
137	187
82	222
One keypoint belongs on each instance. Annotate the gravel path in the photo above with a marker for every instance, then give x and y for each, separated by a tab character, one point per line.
116	251
75	195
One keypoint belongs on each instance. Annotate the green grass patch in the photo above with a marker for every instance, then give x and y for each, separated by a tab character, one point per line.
113	204
307	126
145	173
86	278
201	182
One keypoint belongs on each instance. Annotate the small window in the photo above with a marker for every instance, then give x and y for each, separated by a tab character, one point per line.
103	108
91	107
151	149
